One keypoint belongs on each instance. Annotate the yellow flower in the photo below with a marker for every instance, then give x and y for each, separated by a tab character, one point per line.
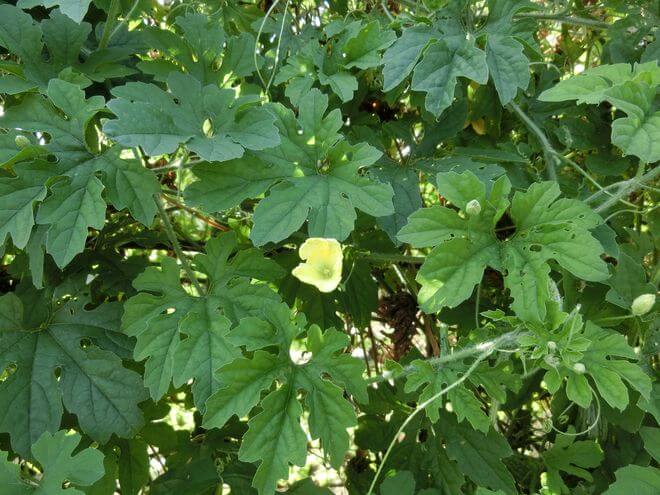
322	267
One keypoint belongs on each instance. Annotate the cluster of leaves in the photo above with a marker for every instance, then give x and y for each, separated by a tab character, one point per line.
489	167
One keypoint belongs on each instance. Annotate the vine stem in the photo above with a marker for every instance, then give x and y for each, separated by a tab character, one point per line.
584	174
589	428
171	235
277	50
627	187
256	43
549	152
197	214
449	358
395	258
476	306
423	406
577	21
109	23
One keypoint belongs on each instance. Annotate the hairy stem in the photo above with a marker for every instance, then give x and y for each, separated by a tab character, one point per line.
549	153
171	235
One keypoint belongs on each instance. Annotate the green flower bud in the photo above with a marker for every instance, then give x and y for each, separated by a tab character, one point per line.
21	141
552	361
579	368
552	346
642	304
473	208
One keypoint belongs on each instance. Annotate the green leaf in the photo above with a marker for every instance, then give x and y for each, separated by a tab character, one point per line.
133	465
75	9
627	282
223	186
478	455
362	50
400	59
608	373
544	229
198	51
406	199
403	483
571	457
635	479
632	90
18	195
73	207
52	48
160	121
275	436
508	66
443	63
464	403
183	337
651	437
321	178
93	384
75	203
591	85
55	455
639	133
130	185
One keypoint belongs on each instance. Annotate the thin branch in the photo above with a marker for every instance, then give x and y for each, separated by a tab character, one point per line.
113	11
627	187
256	43
549	152
497	343
198	214
584	174
171	235
423	406
428	331
393	258
565	19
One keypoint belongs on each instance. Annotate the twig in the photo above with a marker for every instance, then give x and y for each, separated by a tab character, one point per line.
256	43
171	235
577	21
584	174
496	343
423	406
395	258
374	350
175	166
476	306
113	11
628	187
389	15
363	344
549	152
198	214
277	50
428	331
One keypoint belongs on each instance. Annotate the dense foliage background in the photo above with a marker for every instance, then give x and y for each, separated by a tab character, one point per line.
489	168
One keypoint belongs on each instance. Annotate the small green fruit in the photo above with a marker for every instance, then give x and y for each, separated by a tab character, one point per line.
579	368
642	304
473	208
21	141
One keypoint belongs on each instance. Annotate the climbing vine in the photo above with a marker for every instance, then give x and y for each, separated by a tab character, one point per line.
329	247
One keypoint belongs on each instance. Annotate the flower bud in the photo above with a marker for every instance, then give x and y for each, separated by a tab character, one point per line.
473	208
579	368
21	141
552	360
552	345
642	304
